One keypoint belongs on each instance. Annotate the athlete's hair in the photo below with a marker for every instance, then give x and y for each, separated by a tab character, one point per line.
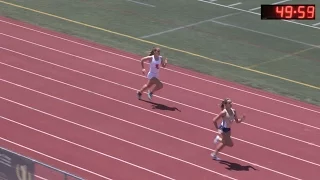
224	102
154	49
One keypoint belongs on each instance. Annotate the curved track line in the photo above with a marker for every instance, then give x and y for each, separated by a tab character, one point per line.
105	80
213	82
150	129
56	159
176	119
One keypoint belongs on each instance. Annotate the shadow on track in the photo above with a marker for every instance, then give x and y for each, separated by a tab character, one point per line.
236	167
161	106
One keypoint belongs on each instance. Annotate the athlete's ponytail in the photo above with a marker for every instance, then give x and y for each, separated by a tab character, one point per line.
152	51
224	102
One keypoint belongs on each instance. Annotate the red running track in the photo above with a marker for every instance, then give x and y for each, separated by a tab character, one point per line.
76	102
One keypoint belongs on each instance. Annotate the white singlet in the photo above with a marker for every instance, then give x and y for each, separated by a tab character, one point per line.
228	119
154	67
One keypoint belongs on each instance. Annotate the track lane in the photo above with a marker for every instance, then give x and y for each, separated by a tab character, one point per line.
99	133
41	172
138	135
186	114
167	75
111	146
96	103
312	126
71	153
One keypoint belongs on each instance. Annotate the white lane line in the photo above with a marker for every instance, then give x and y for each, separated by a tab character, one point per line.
186	26
129	122
266	34
163	81
89	149
145	4
235	4
272	3
255	8
166	69
281	2
118	159
40	177
316	24
101	95
56	159
131	88
305	25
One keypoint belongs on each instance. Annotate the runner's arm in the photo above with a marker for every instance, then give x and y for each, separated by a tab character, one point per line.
237	119
216	118
165	62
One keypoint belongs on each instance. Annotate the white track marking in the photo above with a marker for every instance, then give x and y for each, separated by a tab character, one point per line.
129	122
163	81
168	69
145	4
90	149
42	177
176	119
316	24
118	84
186	26
56	159
267	34
235	4
305	25
254	8
272	3
281	2
123	161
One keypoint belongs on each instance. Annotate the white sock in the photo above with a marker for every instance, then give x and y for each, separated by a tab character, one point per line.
217	139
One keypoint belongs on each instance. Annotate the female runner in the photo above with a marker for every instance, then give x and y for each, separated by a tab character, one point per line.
228	116
155	60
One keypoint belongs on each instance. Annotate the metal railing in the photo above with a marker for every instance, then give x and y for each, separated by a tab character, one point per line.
14	166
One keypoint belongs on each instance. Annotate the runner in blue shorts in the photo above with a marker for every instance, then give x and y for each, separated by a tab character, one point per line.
228	116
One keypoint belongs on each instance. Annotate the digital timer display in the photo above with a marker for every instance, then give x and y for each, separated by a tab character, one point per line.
289	11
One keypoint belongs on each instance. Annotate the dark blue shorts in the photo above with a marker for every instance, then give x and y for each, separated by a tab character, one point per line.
225	130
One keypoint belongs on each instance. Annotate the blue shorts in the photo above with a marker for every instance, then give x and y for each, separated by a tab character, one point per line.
225	130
